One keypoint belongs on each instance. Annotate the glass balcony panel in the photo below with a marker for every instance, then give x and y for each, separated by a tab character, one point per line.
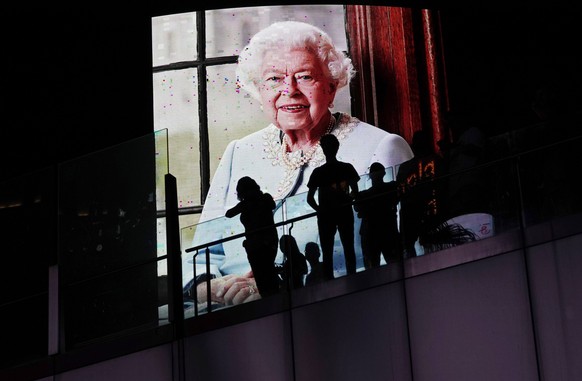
111	305
212	260
549	181
107	209
164	294
108	236
461	218
226	255
501	193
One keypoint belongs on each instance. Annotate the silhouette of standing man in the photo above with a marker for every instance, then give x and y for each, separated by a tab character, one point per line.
337	183
262	239
378	209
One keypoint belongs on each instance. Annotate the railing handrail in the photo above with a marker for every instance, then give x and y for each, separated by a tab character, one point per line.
475	168
240	235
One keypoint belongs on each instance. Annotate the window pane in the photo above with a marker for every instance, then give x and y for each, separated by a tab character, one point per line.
174	38
231	114
229	30
176	109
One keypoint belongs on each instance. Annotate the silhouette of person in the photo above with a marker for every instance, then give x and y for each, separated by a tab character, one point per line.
295	264
378	209
261	237
418	191
312	254
337	185
468	190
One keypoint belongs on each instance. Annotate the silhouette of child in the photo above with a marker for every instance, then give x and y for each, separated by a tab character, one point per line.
312	255
295	264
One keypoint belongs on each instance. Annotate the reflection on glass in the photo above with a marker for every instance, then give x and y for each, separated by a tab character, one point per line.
226	253
161	234
163	292
107	240
227	256
111	304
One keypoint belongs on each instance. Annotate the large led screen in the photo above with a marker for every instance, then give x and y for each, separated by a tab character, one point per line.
248	92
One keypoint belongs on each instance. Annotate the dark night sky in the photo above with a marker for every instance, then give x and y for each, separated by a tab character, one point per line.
79	80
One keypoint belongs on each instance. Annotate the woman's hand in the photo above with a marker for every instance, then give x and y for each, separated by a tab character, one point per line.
216	284
238	289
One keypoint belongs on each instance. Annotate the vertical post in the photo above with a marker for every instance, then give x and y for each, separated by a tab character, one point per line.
175	300
195	288
208	287
53	310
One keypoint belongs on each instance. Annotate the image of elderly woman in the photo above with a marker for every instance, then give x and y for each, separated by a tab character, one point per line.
294	70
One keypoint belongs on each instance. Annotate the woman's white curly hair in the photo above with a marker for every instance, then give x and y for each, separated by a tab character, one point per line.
286	35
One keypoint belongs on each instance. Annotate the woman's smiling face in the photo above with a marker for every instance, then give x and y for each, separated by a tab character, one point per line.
296	90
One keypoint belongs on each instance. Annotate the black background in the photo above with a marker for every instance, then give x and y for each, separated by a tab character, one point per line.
77	79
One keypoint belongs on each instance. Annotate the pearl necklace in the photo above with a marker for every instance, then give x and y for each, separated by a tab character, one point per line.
272	143
297	159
